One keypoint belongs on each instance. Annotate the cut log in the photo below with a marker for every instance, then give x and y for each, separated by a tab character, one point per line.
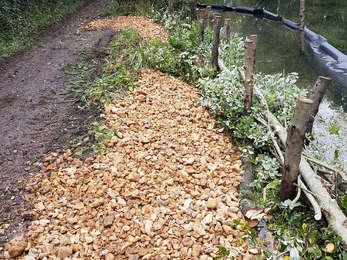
247	199
317	95
302	27
294	145
215	42
207	16
170	8
309	196
227	30
249	67
202	24
331	210
193	16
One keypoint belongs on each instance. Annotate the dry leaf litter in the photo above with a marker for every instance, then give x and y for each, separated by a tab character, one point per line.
166	188
145	26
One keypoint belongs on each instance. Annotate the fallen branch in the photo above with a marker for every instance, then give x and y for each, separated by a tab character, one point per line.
316	208
297	197
332	212
246	192
324	165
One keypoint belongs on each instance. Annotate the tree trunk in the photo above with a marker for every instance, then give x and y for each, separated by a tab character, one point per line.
170	8
254	39
202	24
247	199
317	95
302	26
249	67
193	10
294	145
215	43
227	30
331	210
207	20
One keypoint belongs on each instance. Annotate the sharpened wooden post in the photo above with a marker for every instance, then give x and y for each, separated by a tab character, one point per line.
254	39
302	26
317	95
207	13
294	145
193	15
227	30
170	8
215	41
202	24
249	68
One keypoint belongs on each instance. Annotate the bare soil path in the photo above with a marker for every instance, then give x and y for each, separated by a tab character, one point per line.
35	115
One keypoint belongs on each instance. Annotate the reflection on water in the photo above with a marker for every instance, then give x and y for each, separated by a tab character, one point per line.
277	48
277	51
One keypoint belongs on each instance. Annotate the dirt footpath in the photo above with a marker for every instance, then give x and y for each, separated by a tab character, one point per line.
165	189
35	115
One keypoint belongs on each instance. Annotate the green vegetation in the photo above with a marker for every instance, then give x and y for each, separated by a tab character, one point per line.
21	22
119	73
293	232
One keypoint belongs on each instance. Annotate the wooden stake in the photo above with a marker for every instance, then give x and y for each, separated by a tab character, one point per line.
302	26
170	8
215	41
249	68
294	145
254	39
332	212
207	20
193	15
317	95
202	24
227	30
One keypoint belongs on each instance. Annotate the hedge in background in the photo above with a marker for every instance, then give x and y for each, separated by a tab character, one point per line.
22	20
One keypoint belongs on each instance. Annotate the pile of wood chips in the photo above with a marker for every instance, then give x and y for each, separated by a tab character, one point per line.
145	26
166	188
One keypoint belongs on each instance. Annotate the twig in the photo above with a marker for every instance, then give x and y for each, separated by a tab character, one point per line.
275	143
316	208
325	165
297	195
331	209
336	186
262	99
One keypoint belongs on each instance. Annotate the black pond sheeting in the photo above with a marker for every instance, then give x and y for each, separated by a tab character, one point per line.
334	61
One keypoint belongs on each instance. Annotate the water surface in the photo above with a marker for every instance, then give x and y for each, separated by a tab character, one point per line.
278	51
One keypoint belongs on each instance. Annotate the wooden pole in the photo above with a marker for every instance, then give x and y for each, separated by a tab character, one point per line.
207	12
193	15
170	8
215	41
249	68
227	30
317	95
254	39
331	209
202	24
294	145
302	26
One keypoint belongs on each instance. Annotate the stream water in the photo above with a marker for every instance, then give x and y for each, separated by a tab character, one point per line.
278	51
